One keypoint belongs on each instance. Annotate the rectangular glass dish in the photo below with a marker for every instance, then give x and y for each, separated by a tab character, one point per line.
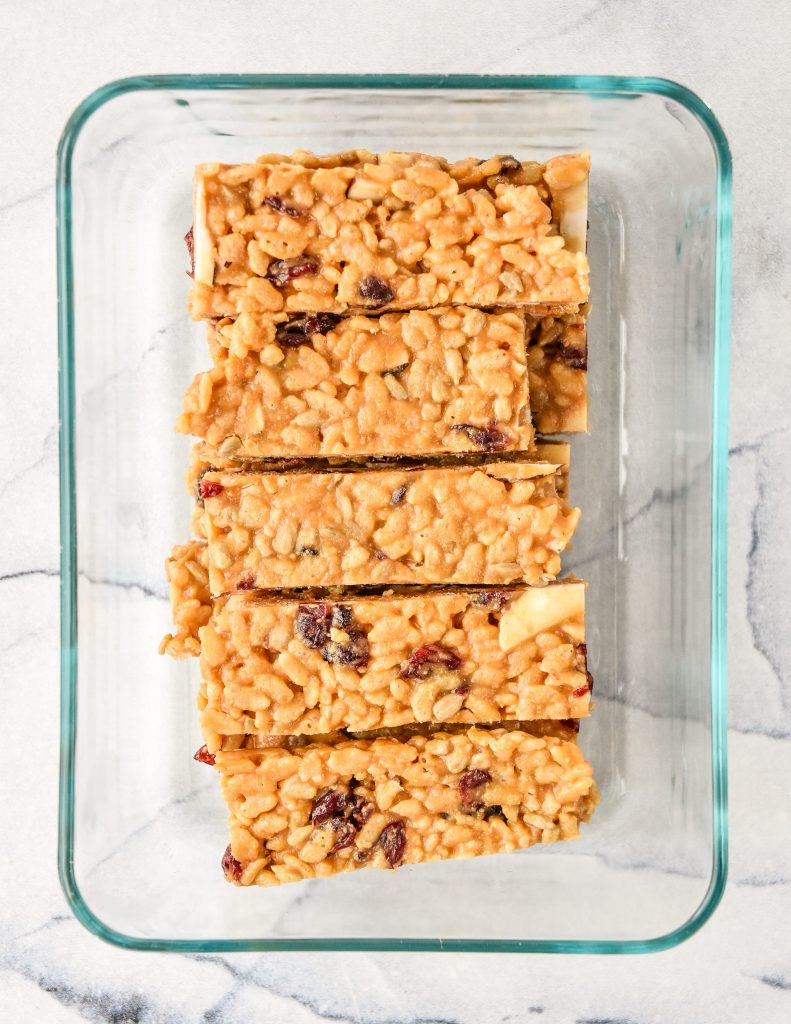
142	825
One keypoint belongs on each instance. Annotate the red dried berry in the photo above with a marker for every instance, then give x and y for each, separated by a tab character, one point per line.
580	691
330	804
462	690
489	438
361	810
299	331
375	291
203	755
189	238
354	653
393	842
341	616
246	583
496	599
282	271
210	488
470	783
279	204
313	624
231	866
576	358
345	832
420	663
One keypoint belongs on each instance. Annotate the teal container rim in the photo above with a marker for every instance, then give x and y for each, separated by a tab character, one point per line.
603	86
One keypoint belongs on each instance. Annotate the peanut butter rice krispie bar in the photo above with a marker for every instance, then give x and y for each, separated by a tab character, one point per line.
282	667
415	383
318	810
389	231
496	523
557	363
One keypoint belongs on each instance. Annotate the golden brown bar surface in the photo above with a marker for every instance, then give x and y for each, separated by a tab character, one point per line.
284	667
319	810
497	523
415	383
389	231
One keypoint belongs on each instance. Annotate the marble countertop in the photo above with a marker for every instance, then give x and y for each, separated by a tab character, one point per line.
738	968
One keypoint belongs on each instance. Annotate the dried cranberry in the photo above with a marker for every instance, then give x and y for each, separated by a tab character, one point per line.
203	755
231	866
189	238
297	332
341	616
291	339
496	599
282	271
393	841
353	653
576	358
470	783
245	583
495	811
420	663
462	690
210	488
375	290
361	810
398	495
580	691
203	472
331	804
279	204
313	624
581	650
345	832
489	438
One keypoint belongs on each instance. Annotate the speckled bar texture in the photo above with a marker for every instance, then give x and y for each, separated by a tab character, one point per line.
393	231
490	524
319	810
284	667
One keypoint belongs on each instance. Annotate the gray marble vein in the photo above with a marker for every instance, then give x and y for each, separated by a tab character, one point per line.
737	970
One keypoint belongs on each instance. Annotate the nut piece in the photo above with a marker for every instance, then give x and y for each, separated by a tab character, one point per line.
538	609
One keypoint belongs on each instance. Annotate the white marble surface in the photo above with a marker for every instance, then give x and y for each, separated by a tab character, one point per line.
738	968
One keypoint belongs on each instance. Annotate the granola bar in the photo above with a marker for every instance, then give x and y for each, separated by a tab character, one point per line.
393	231
369	662
318	810
415	383
557	364
496	523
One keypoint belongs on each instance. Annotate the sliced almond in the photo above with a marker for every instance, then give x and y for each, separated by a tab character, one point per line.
537	610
